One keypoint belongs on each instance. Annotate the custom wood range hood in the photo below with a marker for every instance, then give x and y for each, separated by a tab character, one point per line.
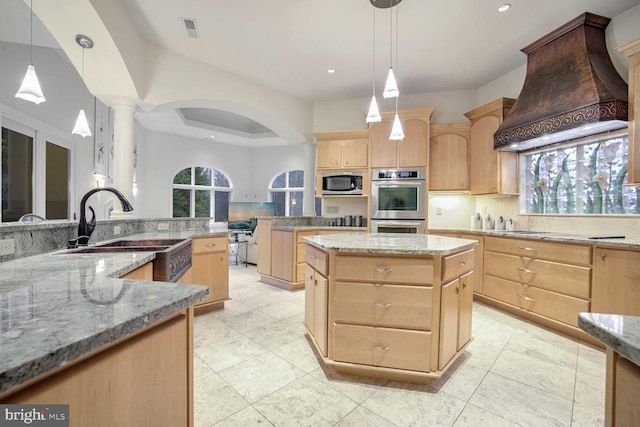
571	89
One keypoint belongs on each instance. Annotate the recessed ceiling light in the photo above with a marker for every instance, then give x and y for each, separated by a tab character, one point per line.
504	7
331	70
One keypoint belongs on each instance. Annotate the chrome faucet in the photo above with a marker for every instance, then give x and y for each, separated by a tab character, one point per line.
85	228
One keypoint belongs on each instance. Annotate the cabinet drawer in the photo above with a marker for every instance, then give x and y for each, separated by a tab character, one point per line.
531	248
392	348
549	304
300	249
395	306
456	265
209	244
385	269
316	259
553	276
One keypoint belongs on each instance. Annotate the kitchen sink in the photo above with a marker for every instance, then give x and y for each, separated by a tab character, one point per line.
173	256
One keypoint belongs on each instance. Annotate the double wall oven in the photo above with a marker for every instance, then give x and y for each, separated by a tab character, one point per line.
398	200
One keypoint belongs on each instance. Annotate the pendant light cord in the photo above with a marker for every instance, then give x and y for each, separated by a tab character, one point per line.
31	32
373	70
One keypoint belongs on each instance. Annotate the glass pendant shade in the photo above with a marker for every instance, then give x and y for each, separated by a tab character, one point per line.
374	112
82	126
30	88
396	130
391	87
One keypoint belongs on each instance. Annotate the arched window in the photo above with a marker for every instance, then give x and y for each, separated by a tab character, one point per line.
200	192
286	191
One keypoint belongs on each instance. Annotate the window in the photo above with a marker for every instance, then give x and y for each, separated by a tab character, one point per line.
17	174
586	178
200	192
286	191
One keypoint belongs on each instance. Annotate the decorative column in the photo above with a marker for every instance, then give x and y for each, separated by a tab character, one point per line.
309	194
123	119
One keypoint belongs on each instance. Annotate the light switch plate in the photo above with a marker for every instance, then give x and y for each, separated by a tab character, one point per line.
7	247
163	226
116	229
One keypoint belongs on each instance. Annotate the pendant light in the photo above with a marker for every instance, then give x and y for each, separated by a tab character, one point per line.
30	88
374	113
391	87
397	134
82	126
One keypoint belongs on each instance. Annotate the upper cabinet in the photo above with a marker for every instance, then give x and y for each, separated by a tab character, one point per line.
448	157
338	150
412	151
490	171
632	50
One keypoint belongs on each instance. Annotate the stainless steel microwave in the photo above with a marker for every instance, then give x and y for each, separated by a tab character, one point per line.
341	183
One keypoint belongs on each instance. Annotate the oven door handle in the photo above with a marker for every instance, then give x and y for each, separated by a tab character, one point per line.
399	183
391	223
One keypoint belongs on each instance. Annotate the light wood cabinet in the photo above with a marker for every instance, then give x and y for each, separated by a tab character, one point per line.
622	391
210	266
389	316
412	151
141	381
548	282
490	171
264	246
448	157
632	51
348	149
616	288
315	315
478	259
144	272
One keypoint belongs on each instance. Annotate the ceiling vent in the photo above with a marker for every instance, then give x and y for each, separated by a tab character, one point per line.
192	28
571	89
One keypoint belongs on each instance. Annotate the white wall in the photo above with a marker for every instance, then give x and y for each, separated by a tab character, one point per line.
264	164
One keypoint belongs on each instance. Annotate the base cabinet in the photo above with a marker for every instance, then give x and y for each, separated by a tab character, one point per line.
210	266
616	289
398	317
146	380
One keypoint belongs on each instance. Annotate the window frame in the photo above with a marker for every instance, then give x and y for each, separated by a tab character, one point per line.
192	194
287	190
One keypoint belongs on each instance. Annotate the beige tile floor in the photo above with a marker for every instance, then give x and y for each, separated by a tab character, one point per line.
254	366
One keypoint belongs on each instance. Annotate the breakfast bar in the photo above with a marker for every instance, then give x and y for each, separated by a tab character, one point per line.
393	306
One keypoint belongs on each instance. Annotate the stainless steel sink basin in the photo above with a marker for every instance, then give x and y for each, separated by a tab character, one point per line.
173	256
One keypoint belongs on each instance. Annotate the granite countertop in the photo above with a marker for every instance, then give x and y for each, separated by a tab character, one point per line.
56	308
317	227
621	333
390	243
626	243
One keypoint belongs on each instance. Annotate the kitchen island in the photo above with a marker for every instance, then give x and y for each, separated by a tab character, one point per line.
394	306
621	336
95	332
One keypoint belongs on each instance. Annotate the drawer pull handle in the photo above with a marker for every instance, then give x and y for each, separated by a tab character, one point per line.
311	257
210	245
384	270
380	347
464	285
526	248
463	263
525	270
383	304
603	257
526	298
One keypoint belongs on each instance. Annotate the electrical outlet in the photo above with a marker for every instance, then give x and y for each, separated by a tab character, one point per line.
163	226
7	247
333	209
438	211
116	229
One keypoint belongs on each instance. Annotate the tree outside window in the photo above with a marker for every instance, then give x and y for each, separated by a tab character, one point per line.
286	191
200	192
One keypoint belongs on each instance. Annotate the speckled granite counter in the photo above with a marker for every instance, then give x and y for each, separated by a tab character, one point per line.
317	227
626	243
57	308
390	243
620	333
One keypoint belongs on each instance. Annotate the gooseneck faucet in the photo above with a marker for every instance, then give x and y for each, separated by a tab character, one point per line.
85	228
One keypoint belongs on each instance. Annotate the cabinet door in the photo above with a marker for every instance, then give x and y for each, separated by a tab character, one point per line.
320	312
282	265
483	159
211	270
264	246
309	298
448	322
448	163
354	153
413	149
383	150
329	154
465	309
616	288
